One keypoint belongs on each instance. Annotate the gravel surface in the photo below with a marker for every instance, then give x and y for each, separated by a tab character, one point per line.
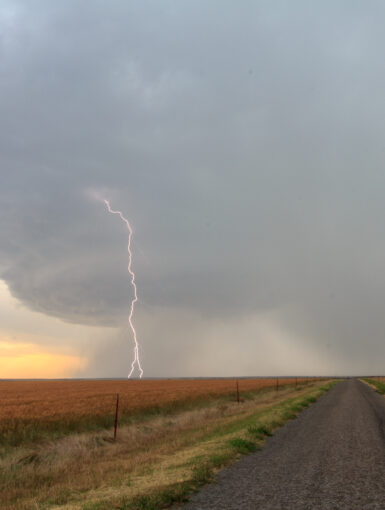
331	457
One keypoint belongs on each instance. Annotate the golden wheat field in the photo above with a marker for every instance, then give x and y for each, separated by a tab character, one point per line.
57	446
45	400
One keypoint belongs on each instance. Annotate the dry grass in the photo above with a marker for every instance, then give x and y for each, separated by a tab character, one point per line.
378	378
89	471
32	409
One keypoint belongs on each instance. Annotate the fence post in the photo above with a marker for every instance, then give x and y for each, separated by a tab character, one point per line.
277	384
116	415
237	392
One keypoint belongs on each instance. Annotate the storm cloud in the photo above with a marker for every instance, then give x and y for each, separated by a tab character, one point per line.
244	141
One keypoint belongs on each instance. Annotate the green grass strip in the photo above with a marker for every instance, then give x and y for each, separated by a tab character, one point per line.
380	386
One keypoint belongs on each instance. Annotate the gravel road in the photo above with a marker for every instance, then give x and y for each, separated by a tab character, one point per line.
331	457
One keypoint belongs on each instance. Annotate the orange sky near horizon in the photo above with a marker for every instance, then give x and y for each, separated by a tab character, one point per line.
34	345
30	361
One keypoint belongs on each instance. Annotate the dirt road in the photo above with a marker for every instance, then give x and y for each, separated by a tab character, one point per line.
331	457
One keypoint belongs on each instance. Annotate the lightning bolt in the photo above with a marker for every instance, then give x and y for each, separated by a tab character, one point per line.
135	298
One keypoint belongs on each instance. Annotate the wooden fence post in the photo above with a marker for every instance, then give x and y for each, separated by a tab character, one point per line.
116	415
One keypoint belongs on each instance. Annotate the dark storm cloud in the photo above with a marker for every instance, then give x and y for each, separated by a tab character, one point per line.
244	142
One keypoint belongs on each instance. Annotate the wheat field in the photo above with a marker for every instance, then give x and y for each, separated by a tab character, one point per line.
52	400
58	451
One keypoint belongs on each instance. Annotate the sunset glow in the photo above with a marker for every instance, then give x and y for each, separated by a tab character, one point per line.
28	361
34	345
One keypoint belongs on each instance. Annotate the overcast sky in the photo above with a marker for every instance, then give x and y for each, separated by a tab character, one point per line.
244	141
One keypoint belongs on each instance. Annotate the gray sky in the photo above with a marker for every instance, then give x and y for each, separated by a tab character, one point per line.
245	143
